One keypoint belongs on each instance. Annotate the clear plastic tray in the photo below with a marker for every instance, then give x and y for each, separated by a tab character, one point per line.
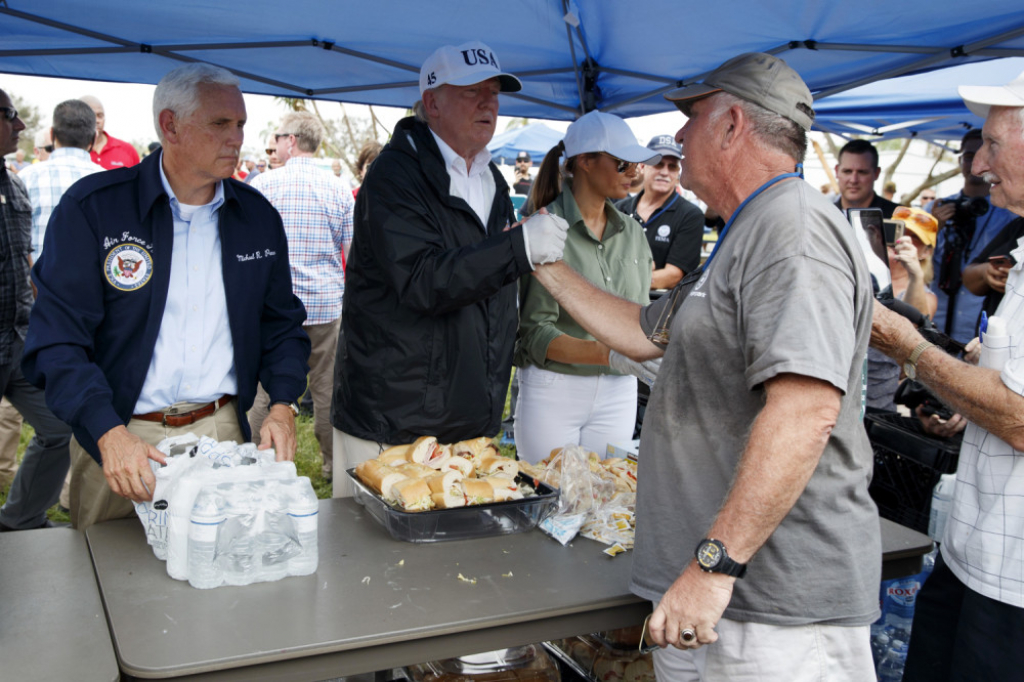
463	523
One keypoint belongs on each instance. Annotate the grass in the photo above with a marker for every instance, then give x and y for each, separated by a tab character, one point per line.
307	460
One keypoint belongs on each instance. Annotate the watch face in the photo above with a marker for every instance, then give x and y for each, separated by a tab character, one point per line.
709	555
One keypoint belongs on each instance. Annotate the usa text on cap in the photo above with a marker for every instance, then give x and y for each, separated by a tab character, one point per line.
466	64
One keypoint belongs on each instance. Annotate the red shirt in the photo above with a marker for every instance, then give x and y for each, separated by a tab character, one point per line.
116	154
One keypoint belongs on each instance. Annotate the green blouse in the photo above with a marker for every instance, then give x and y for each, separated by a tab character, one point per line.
620	263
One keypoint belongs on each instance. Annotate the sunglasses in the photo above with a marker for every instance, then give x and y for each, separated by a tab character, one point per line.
48	149
278	136
623	166
909	216
270	152
9	113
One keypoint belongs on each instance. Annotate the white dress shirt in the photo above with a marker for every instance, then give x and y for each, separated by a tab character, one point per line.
475	186
193	360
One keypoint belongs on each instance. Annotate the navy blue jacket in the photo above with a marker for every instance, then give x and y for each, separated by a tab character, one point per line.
90	343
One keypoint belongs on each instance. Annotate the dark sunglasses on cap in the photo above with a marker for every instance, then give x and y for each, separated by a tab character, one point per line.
623	166
10	113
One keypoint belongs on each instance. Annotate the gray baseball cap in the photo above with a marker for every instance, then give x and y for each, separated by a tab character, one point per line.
756	77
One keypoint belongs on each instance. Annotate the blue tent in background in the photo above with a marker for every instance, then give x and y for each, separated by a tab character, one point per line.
572	56
535	139
924	105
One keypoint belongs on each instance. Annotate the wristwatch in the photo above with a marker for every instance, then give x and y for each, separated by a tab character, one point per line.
712	558
910	366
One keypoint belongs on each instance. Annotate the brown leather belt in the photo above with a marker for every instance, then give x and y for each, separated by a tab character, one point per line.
185	418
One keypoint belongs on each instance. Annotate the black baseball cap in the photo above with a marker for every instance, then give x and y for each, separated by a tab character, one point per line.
522	156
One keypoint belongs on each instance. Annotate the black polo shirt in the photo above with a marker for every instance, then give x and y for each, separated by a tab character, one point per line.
876	202
675	231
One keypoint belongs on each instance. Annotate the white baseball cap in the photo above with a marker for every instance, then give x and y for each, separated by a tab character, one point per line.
980	98
466	64
597	131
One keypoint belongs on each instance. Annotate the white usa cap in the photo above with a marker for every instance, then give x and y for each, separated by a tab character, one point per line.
466	64
597	131
980	98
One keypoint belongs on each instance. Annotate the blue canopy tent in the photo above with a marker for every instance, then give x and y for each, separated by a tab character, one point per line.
924	105
571	56
534	139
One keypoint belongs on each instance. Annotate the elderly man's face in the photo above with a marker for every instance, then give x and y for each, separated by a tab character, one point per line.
10	130
464	116
662	177
856	175
1000	161
695	137
210	140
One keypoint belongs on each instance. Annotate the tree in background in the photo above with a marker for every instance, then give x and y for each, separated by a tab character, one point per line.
345	135
30	116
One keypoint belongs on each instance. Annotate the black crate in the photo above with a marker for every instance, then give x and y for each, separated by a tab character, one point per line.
902	488
905	436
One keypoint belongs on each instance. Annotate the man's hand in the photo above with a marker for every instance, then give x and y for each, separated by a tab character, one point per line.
943	211
695	601
934	425
126	464
646	371
545	238
892	334
278	431
995	277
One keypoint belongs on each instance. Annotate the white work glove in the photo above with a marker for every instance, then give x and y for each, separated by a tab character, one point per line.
646	371
544	236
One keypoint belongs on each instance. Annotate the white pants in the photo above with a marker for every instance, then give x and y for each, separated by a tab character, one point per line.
558	409
754	652
348	452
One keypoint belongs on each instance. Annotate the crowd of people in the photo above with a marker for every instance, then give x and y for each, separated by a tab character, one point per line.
200	290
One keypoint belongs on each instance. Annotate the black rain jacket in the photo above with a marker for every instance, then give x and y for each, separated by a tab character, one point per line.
429	317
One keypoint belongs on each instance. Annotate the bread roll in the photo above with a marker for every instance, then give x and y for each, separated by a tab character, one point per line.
460	464
396	455
413	495
489	464
478	491
504	488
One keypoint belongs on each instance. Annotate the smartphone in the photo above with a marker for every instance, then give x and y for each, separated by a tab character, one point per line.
870	220
893	230
1002	261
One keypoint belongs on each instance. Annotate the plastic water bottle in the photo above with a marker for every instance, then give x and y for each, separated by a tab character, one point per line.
879	646
303	508
942	501
204	528
995	344
276	544
891	667
237	543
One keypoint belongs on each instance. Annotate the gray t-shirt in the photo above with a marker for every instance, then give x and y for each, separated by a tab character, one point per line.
788	292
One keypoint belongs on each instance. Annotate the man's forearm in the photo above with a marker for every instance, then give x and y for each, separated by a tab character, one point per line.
784	447
611	320
977	393
667	277
973	277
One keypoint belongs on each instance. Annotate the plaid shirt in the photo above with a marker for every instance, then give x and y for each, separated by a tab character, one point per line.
983	543
46	183
316	208
15	292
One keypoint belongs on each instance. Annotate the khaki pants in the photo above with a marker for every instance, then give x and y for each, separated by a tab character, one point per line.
92	500
324	340
10	436
348	452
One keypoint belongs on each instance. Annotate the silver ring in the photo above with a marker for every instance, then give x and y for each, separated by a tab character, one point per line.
687	635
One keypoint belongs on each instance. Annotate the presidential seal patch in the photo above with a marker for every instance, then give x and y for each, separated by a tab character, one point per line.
128	267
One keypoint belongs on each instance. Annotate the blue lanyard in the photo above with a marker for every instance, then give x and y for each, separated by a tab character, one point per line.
675	197
735	214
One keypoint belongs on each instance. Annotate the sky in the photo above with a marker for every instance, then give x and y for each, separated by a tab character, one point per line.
129	116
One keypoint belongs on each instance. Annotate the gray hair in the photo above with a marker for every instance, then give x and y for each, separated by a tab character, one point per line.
419	111
306	127
774	131
178	90
74	124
